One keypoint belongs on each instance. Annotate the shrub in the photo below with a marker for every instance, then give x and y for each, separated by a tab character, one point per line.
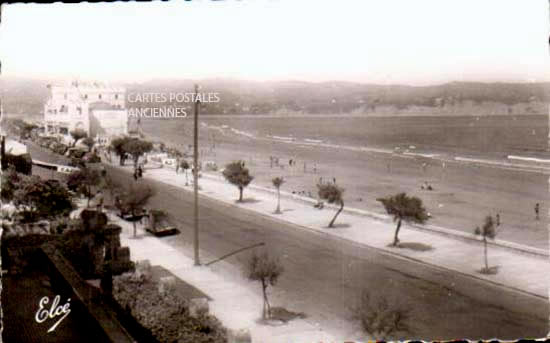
165	314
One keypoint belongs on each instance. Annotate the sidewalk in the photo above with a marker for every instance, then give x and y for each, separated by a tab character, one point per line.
520	271
236	302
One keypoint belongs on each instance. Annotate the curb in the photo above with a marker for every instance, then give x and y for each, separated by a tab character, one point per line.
519	248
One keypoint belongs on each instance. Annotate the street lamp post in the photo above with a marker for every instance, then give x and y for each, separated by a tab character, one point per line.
196	177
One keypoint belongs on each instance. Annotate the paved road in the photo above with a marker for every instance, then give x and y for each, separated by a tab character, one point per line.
324	276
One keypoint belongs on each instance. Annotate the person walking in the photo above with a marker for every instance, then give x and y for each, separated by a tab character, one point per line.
537	211
498	219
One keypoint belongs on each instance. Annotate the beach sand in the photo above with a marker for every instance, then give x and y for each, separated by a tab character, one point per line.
463	193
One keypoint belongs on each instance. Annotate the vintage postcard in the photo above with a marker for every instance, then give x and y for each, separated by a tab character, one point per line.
275	171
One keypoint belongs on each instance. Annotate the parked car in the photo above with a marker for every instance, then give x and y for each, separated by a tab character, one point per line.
52	145
75	152
91	157
62	149
45	142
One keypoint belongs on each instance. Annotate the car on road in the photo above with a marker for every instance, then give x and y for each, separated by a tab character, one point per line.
91	157
75	152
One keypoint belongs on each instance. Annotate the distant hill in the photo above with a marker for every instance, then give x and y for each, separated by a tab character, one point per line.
27	96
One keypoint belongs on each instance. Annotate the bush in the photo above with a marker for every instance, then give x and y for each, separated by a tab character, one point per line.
165	314
21	163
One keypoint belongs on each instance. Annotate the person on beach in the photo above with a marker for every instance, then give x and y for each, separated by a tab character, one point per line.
537	211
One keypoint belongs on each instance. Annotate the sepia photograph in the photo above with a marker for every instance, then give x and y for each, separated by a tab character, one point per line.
275	171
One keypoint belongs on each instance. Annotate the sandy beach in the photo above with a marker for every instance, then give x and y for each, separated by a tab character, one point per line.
464	193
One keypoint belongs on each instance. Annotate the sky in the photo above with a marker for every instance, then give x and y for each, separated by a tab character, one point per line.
416	42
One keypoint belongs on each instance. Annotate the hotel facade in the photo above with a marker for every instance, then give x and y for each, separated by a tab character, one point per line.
96	108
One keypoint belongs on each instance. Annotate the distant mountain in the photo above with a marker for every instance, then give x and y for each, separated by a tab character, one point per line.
27	96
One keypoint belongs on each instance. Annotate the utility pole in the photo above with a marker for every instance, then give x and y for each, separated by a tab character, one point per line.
196	177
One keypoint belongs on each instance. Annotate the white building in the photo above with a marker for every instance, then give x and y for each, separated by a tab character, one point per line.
96	108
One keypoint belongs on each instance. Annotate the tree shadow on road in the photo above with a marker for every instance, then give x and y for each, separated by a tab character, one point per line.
339	226
248	201
415	246
489	271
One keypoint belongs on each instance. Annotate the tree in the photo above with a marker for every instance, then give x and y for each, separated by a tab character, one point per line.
333	195
113	187
117	145
41	198
83	180
10	181
404	208
185	166
133	200
266	270
136	148
77	134
89	142
237	174
277	182
22	163
378	319
488	230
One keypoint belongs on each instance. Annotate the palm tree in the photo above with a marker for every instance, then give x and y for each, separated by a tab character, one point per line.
404	208
333	195
277	182
487	231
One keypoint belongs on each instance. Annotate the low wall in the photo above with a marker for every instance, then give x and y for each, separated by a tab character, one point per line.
89	296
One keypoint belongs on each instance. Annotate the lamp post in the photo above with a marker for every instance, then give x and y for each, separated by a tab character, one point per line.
196	178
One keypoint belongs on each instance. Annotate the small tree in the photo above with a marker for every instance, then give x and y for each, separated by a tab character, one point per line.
277	182
113	187
117	145
83	180
333	195
77	134
185	166
237	174
403	207
134	199
266	270
89	142
488	230
378	319
136	148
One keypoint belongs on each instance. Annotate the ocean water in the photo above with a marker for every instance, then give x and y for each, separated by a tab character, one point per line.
485	135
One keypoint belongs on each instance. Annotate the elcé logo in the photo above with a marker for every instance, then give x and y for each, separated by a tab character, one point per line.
55	310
